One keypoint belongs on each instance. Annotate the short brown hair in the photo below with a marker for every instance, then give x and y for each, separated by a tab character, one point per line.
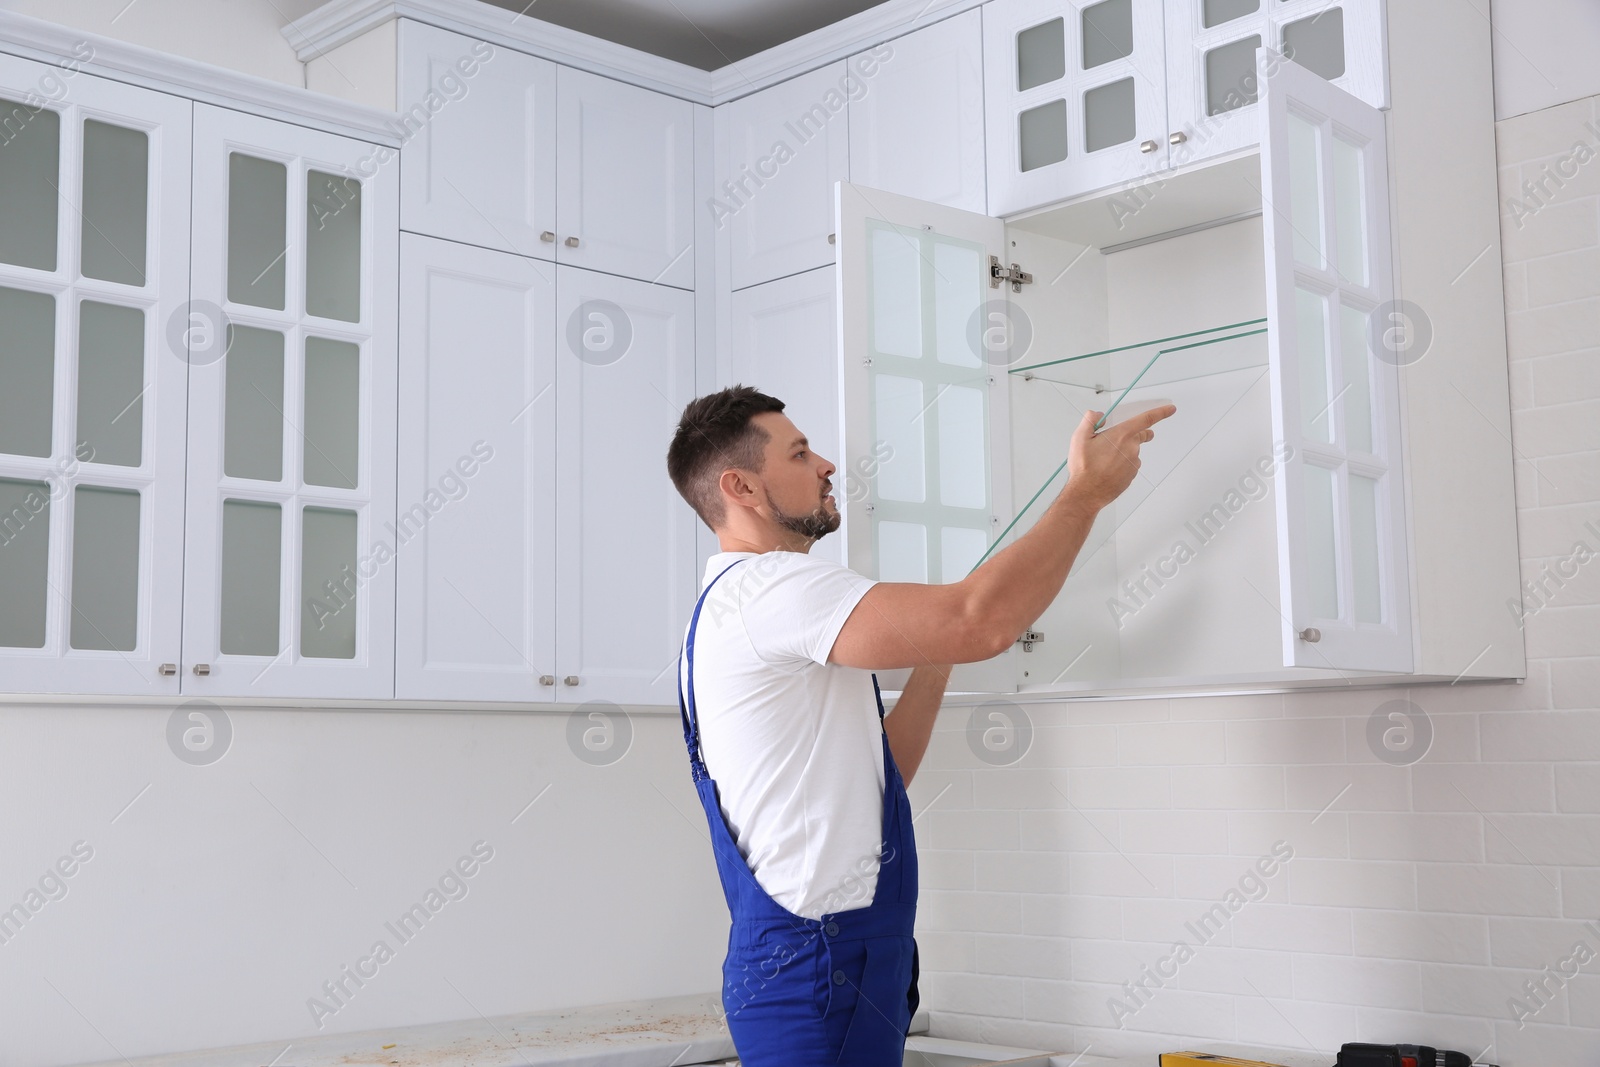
715	433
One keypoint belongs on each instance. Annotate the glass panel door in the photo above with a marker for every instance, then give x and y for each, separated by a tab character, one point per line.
291	501
1344	583
925	412
93	263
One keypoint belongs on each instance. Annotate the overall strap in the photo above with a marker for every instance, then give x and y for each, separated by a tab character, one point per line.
691	724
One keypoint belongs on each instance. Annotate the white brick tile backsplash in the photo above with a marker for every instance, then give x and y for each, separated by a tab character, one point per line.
976	912
1387	1026
1533	944
1539	133
1560	226
1580	894
1228	788
1217	968
1027	957
1293	928
1542	1042
1071	829
1455	737
1019	787
1072	746
1174	832
1557	279
1210	878
1059	915
1351	980
1583	998
1416	837
1551	736
1121	787
1352	884
1378	787
1575	684
1113	962
1298	741
1253	833
1271	1019
1178	1011
1422	936
945	869
1121	875
1487	889
1564	629
1578	787
1023	872
1556	840
1480	991
1169	743
1073	1003
1564	378
1575	477
968	829
1488	786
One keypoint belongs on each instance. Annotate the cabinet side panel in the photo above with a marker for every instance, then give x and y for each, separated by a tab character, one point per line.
1456	400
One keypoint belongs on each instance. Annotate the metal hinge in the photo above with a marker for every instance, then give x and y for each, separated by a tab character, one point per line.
1015	275
1028	638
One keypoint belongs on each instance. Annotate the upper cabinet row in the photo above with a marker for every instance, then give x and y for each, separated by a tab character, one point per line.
526	156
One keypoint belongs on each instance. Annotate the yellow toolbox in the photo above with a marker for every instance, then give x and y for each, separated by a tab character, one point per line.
1207	1059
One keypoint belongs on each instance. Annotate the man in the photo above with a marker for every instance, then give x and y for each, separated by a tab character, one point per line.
802	785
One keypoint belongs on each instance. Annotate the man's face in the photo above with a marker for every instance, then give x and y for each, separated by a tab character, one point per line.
798	482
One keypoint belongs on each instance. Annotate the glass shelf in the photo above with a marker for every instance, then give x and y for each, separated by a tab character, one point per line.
1217	350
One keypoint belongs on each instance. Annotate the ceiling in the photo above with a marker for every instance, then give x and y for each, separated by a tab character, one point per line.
702	33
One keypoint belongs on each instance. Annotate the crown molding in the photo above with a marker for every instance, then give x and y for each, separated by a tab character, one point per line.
50	42
339	21
883	22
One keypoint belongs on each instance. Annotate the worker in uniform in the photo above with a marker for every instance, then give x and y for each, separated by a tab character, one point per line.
803	787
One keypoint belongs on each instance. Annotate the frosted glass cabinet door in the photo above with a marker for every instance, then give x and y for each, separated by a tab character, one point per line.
1075	97
1343	568
480	162
475	608
290	542
924	399
1214	76
625	189
94	270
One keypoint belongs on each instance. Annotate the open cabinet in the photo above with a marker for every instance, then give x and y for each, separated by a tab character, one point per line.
1264	542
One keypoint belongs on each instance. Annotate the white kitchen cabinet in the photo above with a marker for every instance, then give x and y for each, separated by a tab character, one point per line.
625	539
625	180
1269	334
784	342
479	164
1083	95
917	129
1076	97
476	566
778	153
1213	84
94	275
288	547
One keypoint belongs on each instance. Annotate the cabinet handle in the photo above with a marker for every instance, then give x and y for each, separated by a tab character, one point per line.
1177	138
547	237
1147	146
571	679
1311	635
167	670
571	242
202	669
547	679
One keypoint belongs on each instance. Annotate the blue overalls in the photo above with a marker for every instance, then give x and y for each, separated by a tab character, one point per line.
836	990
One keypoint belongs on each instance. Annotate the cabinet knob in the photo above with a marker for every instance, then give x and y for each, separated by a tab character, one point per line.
1177	138
167	670
547	679
571	679
571	242
547	237
833	238
1311	635
202	669
1147	146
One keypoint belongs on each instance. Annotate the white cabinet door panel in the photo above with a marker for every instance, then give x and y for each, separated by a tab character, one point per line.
625	186
784	342
479	162
917	128
1076	97
625	539
925	407
476	599
1343	571
779	151
94	276
288	556
1214	74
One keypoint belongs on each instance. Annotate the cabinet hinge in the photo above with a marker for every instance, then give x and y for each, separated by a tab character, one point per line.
1015	275
1028	638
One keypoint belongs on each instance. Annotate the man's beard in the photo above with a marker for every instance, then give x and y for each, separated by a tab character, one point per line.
812	526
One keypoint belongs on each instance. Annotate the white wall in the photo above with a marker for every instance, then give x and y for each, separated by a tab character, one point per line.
1544	52
1421	900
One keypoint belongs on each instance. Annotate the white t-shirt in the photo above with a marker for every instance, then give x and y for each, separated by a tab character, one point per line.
793	742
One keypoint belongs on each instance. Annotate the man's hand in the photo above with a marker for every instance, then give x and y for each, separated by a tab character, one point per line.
1101	465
